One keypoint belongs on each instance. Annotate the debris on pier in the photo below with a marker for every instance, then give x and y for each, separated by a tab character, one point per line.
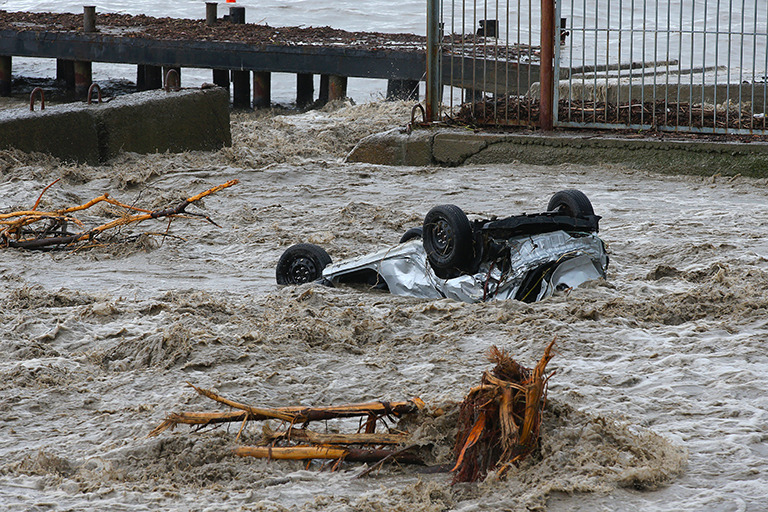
172	29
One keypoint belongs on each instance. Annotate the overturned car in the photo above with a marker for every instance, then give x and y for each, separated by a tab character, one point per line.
525	257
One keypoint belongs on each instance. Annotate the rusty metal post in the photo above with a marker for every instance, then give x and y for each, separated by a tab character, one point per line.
434	77
305	89
262	89
546	73
211	13
337	87
6	64
83	79
89	18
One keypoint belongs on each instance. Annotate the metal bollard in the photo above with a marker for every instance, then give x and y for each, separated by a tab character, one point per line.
32	99
211	13
89	18
237	15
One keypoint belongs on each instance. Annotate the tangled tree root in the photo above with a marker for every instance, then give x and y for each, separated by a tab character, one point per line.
499	419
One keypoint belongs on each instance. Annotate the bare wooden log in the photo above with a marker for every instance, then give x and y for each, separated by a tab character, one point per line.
324	452
298	414
292	415
309	436
197	418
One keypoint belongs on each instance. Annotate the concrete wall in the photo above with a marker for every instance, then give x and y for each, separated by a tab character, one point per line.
446	147
144	122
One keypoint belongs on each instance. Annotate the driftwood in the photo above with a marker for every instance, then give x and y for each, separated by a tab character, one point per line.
499	419
16	227
499	423
294	443
292	415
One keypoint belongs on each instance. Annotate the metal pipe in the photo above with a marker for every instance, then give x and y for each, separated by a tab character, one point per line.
89	18
546	74
433	61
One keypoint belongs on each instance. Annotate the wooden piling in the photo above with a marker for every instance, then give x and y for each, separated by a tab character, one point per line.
221	78
262	89
6	64
402	90
305	89
241	86
337	87
149	77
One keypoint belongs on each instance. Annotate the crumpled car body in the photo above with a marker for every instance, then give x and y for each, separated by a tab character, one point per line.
405	270
523	257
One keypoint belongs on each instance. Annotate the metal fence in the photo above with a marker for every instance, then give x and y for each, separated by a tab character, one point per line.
674	65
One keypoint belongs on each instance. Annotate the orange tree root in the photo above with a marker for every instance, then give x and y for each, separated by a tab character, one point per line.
499	420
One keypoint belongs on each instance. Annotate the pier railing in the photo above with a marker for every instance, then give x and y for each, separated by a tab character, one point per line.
671	65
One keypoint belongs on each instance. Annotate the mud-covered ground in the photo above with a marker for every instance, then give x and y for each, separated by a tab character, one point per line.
658	401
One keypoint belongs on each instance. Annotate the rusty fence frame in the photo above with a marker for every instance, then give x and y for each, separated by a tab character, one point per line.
696	66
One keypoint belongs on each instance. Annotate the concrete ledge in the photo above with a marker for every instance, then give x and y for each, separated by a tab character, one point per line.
394	147
459	147
145	122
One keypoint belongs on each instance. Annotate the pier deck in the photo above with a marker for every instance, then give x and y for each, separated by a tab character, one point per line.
227	46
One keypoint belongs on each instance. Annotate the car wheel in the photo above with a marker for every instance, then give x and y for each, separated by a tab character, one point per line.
301	263
571	202
448	239
412	234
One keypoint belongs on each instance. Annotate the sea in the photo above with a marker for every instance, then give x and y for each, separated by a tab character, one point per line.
657	393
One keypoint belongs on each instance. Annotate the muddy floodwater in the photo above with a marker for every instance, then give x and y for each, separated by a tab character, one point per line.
659	400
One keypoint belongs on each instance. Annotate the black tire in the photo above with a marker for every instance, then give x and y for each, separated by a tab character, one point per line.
571	202
448	239
301	263
411	234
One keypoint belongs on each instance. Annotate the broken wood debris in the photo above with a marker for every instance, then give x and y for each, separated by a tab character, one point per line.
499	420
16	227
498	424
524	111
357	447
